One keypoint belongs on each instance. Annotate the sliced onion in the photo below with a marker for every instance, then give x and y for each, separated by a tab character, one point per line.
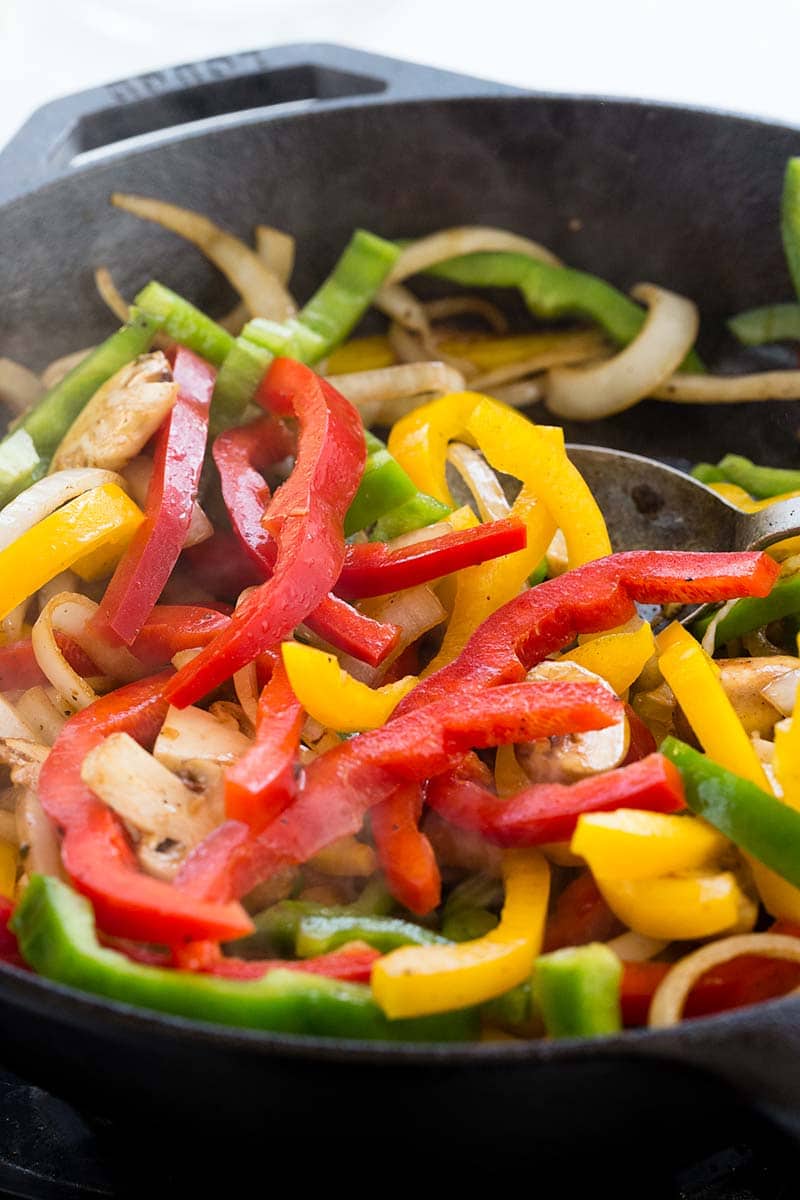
402	306
36	831
710	636
59	368
12	724
192	733
481	481
110	295
384	395
669	332
76	692
345	857
277	249
258	286
782	692
20	388
520	395
636	947
13	623
467	306
729	389
40	713
46	495
245	683
666	1007
576	348
464	239
414	610
137	475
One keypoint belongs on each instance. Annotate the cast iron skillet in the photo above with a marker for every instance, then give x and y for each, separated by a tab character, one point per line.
318	140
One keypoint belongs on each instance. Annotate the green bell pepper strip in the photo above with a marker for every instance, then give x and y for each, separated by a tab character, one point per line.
237	382
756	822
790	219
751	613
25	454
708	473
186	324
415	513
539	573
552	292
577	991
335	308
56	934
761	482
382	933
467	924
773	323
276	928
383	494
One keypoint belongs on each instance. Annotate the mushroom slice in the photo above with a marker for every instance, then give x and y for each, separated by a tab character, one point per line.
194	734
758	688
121	416
572	756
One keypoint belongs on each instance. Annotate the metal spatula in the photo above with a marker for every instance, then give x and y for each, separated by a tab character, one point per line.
650	506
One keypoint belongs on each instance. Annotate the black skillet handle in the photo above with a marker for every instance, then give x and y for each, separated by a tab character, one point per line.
160	104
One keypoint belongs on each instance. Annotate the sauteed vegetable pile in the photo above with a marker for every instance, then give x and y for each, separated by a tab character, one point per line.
312	730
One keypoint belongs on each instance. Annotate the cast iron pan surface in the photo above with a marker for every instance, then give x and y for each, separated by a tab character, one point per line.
335	139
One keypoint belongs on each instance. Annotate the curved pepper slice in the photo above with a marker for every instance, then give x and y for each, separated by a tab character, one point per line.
334	698
405	855
263	781
676	907
631	844
549	812
304	517
595	597
342	784
241	454
420	980
147	563
57	938
95	848
619	658
69	534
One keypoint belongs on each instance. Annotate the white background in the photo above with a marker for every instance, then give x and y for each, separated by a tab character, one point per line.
741	55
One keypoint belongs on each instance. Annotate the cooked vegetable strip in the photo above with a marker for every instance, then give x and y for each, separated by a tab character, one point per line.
596	597
241	455
773	323
57	937
304	517
730	389
384	488
679	907
95	849
405	855
342	784
744	812
631	844
600	390
383	396
185	324
619	658
750	614
318	934
47	495
147	563
420	980
790	219
761	482
462	240
264	781
577	991
59	541
258	286
334	698
25	453
549	812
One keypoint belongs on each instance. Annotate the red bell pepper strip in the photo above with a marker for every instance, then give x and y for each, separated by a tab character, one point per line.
405	855
147	564
373	569
641	741
590	599
353	961
580	915
95	848
748	979
171	628
548	812
263	782
20	670
305	517
342	784
240	455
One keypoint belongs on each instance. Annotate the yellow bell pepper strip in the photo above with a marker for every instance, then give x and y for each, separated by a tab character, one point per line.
8	869
333	697
59	541
509	777
787	757
676	907
553	494
361	354
577	991
619	658
631	844
417	980
694	680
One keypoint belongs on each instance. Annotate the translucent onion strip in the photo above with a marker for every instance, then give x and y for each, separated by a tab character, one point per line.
467	306
519	395
245	683
277	249
730	389
48	494
137	474
481	481
464	239
110	294
574	348
59	368
636	947
388	393
76	692
13	623
259	287
38	710
19	387
669	332
37	832
668	1001
12	724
